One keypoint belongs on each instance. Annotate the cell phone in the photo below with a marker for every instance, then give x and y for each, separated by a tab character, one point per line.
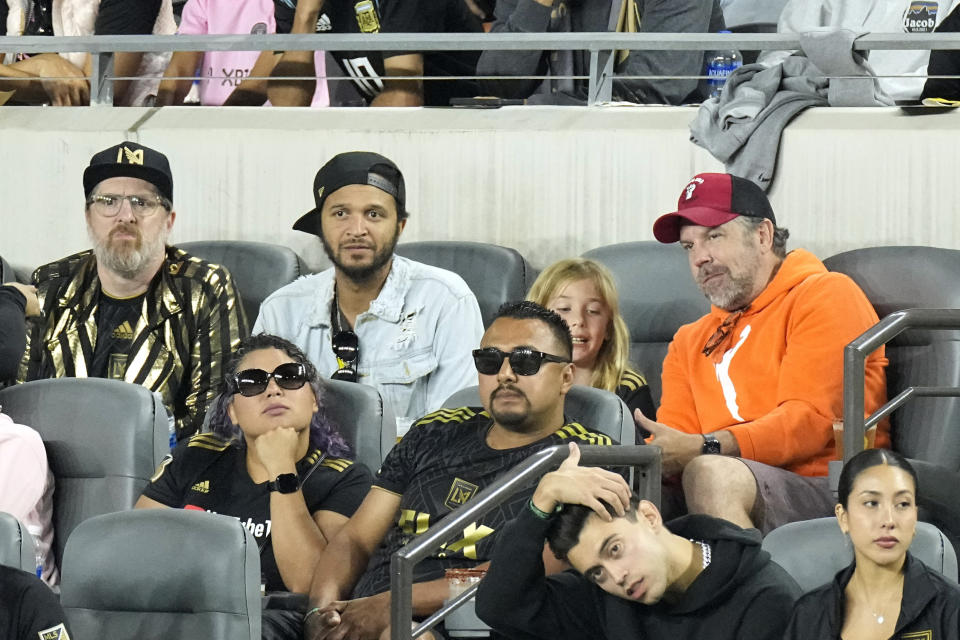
485	102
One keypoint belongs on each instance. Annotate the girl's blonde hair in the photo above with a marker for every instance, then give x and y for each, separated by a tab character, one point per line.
612	358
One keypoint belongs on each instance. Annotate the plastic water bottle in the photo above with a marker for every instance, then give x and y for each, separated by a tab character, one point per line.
719	67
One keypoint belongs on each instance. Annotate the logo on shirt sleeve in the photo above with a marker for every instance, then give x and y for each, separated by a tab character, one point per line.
58	632
920	17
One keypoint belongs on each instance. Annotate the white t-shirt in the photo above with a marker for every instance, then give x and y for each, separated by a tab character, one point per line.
876	16
225	69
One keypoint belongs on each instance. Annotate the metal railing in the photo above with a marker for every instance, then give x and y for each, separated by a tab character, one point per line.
854	371
646	458
600	45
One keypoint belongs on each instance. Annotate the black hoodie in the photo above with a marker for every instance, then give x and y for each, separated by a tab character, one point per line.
742	594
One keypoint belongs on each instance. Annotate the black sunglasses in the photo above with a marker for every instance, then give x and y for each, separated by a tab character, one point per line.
346	346
523	360
252	382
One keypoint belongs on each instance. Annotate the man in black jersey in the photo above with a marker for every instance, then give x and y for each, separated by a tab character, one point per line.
372	72
134	308
443	461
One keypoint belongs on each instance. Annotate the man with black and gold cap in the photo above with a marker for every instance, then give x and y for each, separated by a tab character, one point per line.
133	308
377	318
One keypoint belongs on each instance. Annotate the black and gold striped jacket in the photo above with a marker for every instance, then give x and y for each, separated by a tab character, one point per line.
190	324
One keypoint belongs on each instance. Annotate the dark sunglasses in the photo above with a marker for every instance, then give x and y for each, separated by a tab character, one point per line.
523	360
346	346
252	382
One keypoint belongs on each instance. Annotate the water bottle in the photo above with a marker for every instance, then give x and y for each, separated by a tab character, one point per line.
720	65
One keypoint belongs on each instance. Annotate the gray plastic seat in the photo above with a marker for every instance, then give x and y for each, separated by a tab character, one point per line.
168	574
813	551
367	425
16	544
495	274
258	268
896	278
595	409
657	297
104	439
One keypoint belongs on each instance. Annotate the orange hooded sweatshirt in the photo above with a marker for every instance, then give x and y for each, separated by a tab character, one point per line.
776	381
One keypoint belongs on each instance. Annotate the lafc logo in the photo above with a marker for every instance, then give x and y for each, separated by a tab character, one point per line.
54	633
201	487
132	157
692	186
460	492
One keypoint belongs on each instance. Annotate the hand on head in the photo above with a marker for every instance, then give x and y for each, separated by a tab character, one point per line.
590	486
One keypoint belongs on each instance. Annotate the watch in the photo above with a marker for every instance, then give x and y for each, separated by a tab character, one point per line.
710	445
285	483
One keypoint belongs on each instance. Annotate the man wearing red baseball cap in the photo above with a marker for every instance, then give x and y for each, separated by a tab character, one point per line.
751	390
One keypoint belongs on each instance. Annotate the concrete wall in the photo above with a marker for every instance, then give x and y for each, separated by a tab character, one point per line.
548	181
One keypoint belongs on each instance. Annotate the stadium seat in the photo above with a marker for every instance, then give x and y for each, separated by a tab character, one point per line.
896	278
595	409
16	544
104	439
367	425
657	296
924	429
155	574
495	274
258	268
813	551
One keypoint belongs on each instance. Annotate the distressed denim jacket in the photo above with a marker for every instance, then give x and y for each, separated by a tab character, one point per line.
415	339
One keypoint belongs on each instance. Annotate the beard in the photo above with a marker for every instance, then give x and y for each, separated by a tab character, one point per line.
126	258
362	272
733	294
514	420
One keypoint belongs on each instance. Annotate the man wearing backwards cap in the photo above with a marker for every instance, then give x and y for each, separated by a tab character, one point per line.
758	381
133	308
376	318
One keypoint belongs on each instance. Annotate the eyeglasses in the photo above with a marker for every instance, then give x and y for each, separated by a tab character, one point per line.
523	360
108	204
346	346
252	382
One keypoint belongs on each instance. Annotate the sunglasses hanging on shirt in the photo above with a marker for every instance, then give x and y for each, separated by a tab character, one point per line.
346	346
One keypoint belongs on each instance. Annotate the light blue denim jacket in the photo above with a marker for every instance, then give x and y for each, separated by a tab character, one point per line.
415	339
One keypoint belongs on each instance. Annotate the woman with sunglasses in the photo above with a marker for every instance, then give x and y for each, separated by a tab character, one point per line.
582	292
885	592
273	461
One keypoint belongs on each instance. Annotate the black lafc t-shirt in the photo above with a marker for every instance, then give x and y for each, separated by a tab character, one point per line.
207	473
397	16
117	320
439	465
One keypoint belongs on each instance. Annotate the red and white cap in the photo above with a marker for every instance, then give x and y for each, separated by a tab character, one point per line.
712	199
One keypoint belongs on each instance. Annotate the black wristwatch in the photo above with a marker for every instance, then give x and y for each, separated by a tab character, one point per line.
285	483
710	445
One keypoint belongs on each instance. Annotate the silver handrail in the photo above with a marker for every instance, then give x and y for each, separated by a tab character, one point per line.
645	457
854	370
599	44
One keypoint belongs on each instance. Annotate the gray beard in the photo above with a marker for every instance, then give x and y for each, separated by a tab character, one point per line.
131	263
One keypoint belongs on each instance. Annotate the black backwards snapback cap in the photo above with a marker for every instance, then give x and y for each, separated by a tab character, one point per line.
129	159
353	167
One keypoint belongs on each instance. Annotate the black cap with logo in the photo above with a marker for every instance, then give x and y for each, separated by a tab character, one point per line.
353	167
129	159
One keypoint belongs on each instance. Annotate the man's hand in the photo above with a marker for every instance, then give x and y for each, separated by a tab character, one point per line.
64	83
277	450
360	619
678	447
30	293
589	486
